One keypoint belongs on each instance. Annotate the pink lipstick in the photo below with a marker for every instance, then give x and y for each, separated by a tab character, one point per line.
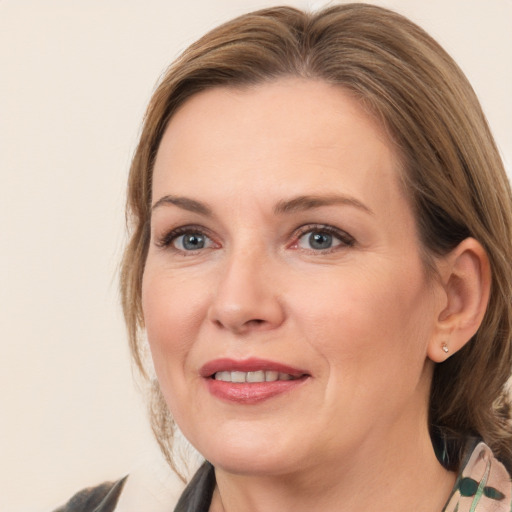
250	380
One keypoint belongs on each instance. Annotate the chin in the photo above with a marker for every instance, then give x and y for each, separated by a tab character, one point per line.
252	454
251	464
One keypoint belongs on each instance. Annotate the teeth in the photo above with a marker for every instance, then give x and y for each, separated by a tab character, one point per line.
271	376
255	376
258	376
237	376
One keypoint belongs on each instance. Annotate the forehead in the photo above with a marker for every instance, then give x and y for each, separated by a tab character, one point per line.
280	137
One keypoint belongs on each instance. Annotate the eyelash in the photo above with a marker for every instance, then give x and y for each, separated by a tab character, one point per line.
343	237
167	240
346	240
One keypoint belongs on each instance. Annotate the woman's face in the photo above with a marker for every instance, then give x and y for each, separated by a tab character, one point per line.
282	247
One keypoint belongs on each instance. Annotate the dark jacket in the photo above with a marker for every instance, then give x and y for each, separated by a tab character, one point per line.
196	497
102	498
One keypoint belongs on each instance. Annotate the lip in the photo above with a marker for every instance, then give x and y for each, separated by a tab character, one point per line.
252	364
255	392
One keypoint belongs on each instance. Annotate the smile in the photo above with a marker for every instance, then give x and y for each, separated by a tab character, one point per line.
250	381
258	376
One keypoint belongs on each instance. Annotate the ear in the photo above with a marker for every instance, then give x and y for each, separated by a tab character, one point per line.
465	276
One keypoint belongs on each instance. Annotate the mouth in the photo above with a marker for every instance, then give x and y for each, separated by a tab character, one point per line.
251	380
257	376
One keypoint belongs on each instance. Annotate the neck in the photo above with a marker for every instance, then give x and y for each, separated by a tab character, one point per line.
402	474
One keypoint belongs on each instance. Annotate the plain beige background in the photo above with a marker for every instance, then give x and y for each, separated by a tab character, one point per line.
75	76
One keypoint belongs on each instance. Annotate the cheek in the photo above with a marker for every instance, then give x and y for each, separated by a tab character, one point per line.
368	317
173	312
372	338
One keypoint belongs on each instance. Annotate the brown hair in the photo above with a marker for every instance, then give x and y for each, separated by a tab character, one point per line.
452	171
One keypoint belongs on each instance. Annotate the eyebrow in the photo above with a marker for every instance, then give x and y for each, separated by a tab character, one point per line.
184	203
300	203
303	203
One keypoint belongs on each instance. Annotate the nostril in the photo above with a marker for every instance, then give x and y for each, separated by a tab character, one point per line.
244	327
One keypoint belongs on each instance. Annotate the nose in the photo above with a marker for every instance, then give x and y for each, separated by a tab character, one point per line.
247	296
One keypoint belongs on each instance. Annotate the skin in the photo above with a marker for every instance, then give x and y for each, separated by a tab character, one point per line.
361	317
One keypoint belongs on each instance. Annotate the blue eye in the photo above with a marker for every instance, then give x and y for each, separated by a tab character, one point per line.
323	239
319	241
186	239
191	241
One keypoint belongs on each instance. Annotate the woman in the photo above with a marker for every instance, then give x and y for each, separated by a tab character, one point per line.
320	257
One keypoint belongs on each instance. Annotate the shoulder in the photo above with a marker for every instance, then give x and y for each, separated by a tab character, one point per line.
483	483
102	498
